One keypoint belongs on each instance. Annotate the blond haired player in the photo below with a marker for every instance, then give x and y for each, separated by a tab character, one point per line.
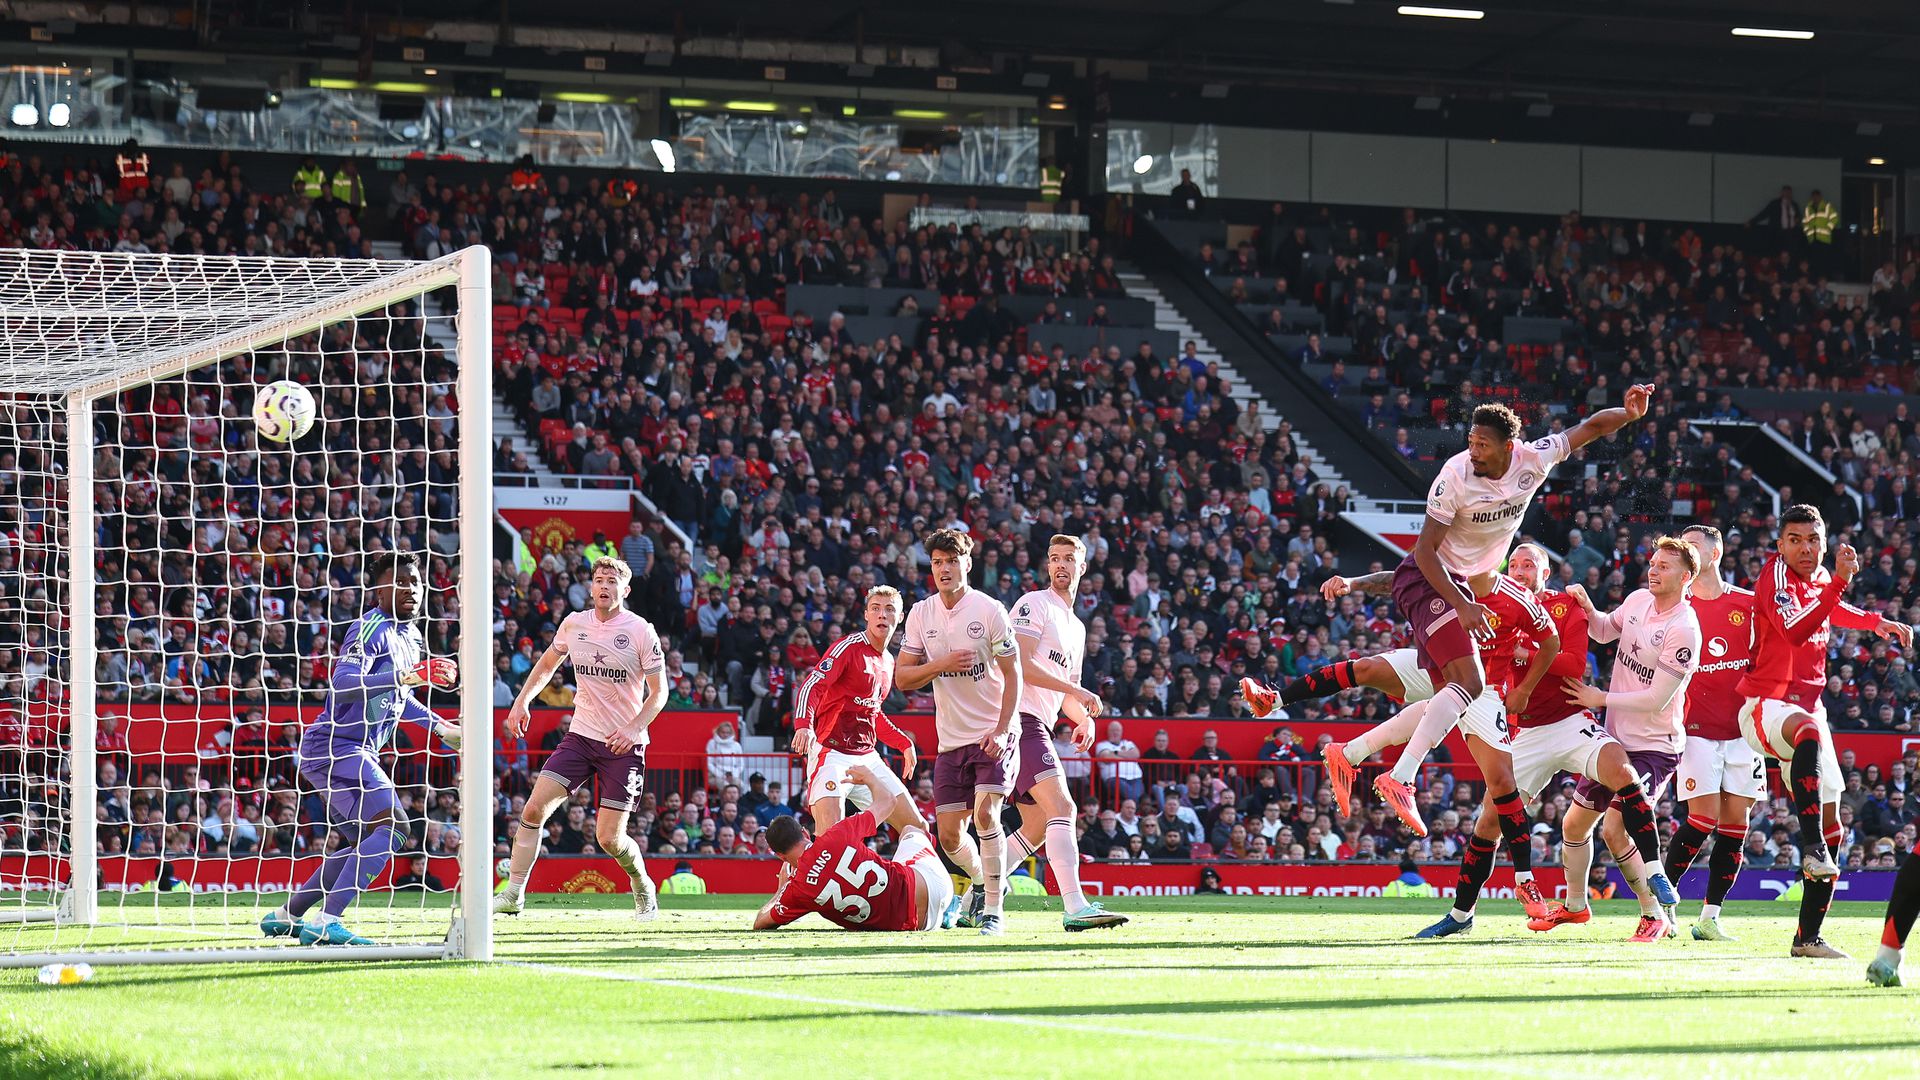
1053	642
837	717
960	641
1659	649
621	673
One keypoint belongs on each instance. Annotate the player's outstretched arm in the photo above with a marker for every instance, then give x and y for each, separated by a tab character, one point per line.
1607	421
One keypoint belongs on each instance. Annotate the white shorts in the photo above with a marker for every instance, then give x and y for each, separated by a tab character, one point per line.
916	852
1708	766
1406	664
1572	745
1486	720
1763	723
827	776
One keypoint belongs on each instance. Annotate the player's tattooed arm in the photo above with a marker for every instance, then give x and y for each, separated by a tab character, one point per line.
1336	587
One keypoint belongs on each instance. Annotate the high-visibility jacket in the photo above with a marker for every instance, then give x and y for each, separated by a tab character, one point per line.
1051	179
1819	220
310	182
347	189
684	883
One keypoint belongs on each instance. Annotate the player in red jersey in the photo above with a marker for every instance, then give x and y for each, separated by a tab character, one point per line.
1514	617
1556	733
840	879
1796	604
1720	776
837	717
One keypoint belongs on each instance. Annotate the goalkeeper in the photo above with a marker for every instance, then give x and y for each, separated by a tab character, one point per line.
368	696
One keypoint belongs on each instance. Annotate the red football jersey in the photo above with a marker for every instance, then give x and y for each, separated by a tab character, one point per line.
842	881
840	701
1726	633
1516	617
1550	703
1792	619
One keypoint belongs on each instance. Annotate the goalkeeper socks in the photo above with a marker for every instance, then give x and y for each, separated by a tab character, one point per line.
1637	815
1443	711
993	851
317	886
360	867
1514	831
1476	866
1578	856
1723	864
1901	910
1804	781
1063	855
1392	731
1687	841
1324	682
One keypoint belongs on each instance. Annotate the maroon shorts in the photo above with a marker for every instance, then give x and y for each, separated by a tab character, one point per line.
578	759
1437	632
1654	767
960	772
1037	761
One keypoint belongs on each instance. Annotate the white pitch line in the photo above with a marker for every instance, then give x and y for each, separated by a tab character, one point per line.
1296	1049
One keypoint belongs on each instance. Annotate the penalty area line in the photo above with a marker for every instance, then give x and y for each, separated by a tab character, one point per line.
1301	1050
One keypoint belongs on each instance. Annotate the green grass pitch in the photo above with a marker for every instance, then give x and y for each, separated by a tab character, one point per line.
1195	988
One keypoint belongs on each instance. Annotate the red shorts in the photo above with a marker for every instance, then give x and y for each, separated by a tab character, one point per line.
1437	632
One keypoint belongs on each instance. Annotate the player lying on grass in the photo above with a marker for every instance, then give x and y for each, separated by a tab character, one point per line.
840	879
1517	619
621	672
368	695
1659	650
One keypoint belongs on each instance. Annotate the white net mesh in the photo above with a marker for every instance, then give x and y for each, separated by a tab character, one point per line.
226	571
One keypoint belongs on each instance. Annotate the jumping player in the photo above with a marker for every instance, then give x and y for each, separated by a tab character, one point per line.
1473	510
837	717
1052	643
1556	733
1796	602
1659	649
1720	776
368	695
622	679
1516	617
840	879
960	641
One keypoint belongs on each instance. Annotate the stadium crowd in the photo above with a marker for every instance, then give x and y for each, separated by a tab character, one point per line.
794	466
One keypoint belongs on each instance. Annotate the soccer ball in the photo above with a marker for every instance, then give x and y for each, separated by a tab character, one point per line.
503	868
284	411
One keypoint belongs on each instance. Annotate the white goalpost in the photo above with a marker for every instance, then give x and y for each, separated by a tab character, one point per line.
174	587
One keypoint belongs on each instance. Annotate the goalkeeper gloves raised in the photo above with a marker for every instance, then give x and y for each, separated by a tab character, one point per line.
439	671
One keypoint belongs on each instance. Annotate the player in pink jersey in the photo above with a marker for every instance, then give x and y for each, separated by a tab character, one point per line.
1473	511
840	879
622	679
961	641
837	718
1053	643
1658	652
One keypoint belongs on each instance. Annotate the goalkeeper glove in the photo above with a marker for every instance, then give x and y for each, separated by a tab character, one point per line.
441	672
449	733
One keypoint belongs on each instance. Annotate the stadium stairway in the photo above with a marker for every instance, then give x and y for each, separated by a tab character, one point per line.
506	426
1176	310
1168	317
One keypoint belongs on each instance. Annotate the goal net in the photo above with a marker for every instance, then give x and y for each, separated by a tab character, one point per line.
175	588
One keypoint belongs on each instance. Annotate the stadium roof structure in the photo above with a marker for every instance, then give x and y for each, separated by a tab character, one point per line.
1862	51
